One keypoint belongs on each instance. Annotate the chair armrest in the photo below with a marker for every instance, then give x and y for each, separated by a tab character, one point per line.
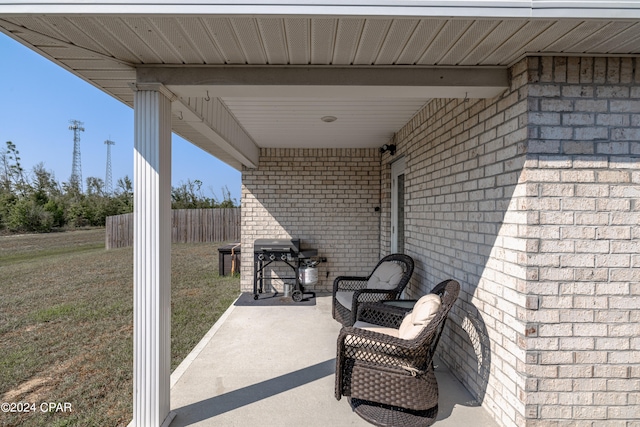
370	295
378	348
355	337
349	283
367	346
382	314
374	295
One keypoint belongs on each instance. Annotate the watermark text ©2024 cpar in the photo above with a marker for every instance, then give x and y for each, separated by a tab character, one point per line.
43	407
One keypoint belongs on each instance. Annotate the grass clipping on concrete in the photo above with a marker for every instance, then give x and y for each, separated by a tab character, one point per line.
66	324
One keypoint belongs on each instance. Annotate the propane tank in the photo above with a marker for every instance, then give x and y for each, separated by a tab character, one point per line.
308	274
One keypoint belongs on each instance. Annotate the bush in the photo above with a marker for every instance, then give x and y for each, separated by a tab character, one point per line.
7	200
56	210
27	215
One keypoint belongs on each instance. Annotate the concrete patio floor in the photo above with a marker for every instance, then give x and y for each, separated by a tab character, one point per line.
274	366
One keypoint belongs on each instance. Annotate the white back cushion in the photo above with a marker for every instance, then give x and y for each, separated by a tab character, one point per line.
423	312
387	276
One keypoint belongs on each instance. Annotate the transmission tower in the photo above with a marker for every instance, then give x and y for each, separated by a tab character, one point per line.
108	187
76	169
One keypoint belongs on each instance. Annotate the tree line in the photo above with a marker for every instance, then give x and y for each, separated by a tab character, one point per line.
33	201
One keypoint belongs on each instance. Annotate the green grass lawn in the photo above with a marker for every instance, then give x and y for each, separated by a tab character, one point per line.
66	323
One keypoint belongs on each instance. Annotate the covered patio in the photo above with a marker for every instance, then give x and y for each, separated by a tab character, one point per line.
514	171
274	366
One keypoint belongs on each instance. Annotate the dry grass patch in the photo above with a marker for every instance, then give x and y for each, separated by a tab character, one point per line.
66	322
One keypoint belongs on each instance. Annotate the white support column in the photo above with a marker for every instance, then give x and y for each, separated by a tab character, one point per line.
152	257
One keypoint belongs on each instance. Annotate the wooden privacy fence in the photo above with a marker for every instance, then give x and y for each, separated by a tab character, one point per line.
187	226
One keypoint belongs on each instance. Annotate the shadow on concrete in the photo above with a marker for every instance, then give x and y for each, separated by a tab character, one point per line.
212	407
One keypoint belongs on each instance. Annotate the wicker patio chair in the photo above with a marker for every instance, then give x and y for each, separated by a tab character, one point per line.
386	282
389	379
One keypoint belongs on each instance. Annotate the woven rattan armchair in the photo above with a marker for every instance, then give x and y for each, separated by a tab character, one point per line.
390	380
350	291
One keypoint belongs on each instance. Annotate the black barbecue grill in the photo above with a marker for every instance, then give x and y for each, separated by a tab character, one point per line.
286	251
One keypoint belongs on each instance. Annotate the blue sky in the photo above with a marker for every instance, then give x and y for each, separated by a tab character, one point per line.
39	99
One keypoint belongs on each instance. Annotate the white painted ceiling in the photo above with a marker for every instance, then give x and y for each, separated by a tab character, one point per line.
105	49
301	119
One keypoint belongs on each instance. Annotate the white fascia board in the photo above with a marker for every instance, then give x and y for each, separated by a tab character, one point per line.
462	8
628	9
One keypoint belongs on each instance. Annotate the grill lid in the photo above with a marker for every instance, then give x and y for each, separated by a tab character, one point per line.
276	245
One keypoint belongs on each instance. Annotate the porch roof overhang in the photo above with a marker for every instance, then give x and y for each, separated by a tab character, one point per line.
252	74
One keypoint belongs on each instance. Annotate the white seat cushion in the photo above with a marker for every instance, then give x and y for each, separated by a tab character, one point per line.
387	276
368	347
345	298
423	312
376	328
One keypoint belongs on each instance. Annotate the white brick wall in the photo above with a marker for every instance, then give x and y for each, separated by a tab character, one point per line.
532	202
467	218
588	275
325	197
